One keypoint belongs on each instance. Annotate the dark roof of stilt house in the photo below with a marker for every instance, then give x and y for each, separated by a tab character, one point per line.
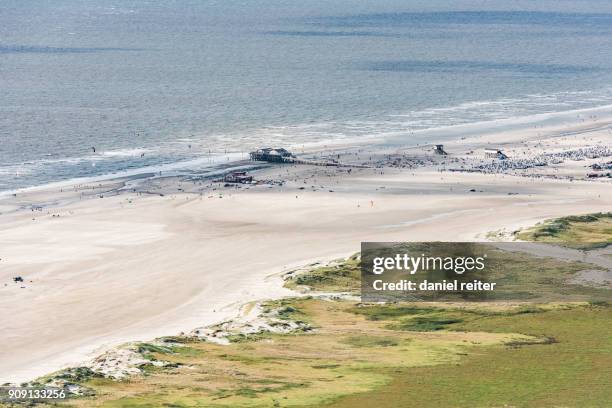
440	149
271	154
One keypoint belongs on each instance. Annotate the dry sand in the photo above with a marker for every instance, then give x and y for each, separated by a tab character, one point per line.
102	271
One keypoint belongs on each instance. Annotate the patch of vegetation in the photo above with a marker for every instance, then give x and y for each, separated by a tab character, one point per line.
521	276
386	354
533	355
567	368
370	341
286	312
243	338
283	309
257	389
427	319
577	231
344	356
146	348
178	339
326	366
427	323
518	277
399	312
341	276
391	311
77	374
187	351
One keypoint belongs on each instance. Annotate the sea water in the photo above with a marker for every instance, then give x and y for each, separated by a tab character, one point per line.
91	87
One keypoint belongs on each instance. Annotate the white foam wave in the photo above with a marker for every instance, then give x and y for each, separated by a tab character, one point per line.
414	127
200	163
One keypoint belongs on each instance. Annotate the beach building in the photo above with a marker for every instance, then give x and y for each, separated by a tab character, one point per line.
495	154
439	149
238	177
278	155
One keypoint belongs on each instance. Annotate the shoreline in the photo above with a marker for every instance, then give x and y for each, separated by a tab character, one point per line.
165	255
417	138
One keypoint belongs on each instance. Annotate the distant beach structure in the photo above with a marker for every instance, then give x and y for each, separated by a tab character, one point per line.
439	149
238	177
495	154
278	155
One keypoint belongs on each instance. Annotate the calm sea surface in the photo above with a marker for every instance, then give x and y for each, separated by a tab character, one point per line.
156	82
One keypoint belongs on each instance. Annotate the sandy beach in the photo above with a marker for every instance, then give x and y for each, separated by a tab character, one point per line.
109	262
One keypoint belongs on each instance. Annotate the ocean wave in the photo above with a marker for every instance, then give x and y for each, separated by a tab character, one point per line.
125	152
411	127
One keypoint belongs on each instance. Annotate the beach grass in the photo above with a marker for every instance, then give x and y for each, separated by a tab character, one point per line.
538	355
579	231
345	355
339	276
571	369
519	277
